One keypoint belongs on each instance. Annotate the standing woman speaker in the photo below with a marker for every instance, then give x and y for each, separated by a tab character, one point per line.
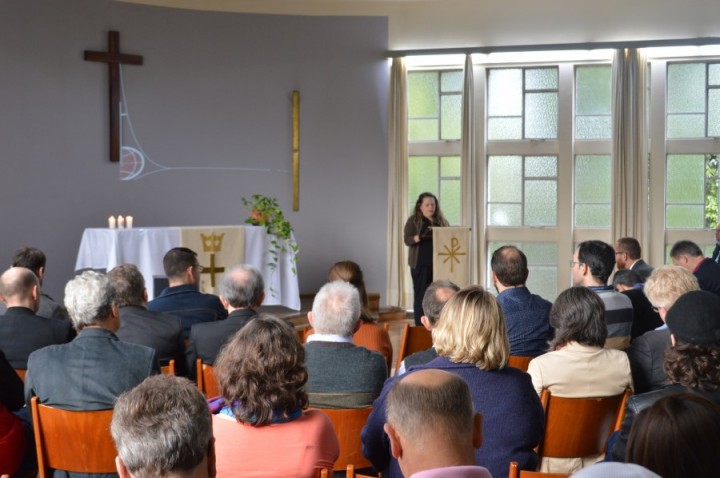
418	236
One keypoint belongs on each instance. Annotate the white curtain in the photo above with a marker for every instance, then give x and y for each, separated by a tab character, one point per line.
469	179
398	274
630	172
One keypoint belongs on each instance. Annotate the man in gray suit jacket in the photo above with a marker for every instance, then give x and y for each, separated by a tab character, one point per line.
628	256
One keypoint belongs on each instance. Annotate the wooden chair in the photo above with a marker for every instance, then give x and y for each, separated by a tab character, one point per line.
414	339
206	379
168	369
349	473
348	423
516	472
21	373
72	440
520	362
580	426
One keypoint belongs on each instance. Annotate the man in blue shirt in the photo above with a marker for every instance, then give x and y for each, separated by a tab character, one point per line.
526	314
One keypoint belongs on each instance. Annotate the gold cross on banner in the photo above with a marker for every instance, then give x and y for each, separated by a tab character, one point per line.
212	269
452	252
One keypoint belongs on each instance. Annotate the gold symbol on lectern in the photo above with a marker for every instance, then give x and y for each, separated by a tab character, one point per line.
212	244
452	252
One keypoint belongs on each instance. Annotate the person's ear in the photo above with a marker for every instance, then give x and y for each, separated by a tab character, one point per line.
35	292
672	340
395	445
224	302
477	430
121	469
261	299
145	296
426	323
41	273
310	319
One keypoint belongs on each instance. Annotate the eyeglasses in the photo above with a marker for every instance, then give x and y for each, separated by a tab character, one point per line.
620	252
572	263
199	267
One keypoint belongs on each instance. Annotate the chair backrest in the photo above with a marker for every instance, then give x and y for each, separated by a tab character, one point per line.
349	473
21	373
168	369
348	422
414	339
77	441
516	472
580	426
519	362
206	379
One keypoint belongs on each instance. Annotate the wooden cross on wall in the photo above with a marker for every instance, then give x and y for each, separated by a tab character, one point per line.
114	59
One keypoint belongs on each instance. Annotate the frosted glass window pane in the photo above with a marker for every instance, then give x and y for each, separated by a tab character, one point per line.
451	81
592	215
592	179
686	126
692	217
541	111
422	129
505	179
422	94
543	281
505	128
593	91
714	112
540	253
450	200
504	215
540	203
714	74
450	166
686	88
505	92
541	79
422	176
685	178
450	119
593	127
541	166
542	265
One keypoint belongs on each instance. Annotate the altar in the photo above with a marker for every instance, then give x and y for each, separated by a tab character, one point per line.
103	249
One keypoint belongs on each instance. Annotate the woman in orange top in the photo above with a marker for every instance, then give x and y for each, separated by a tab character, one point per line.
261	426
370	335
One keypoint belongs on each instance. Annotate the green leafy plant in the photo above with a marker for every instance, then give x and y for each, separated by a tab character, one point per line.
265	211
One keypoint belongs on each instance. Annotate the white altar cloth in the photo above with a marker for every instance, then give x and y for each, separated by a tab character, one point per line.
102	248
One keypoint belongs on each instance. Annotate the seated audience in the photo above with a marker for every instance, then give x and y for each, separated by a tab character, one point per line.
163	428
677	437
432	428
526	314
647	352
91	371
645	318
242	291
692	363
156	330
436	295
578	366
21	330
370	335
261	425
592	264
341	374
183	297
12	437
688	255
628	257
471	341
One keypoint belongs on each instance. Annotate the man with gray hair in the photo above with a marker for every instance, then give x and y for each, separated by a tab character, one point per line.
432	428
340	374
91	371
162	428
242	291
436	295
156	330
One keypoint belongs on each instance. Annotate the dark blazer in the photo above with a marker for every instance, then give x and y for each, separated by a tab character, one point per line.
642	268
156	330
22	332
708	276
647	358
48	308
207	339
645	318
189	304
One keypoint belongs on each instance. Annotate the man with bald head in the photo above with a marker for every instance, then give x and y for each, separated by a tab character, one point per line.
432	427
21	330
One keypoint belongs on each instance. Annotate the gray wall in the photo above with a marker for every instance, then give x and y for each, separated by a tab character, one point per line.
215	90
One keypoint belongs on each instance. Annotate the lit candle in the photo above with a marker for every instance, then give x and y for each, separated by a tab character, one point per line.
111	222
129	222
121	222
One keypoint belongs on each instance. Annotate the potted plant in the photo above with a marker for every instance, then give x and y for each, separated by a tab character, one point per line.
265	211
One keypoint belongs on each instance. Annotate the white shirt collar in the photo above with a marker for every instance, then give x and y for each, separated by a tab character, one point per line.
329	338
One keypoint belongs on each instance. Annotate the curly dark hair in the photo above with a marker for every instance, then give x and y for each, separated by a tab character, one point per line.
261	371
694	366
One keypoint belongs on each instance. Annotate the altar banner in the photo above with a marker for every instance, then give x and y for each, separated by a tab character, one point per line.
218	249
450	254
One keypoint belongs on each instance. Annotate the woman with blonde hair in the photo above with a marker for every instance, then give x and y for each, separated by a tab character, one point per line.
370	335
261	425
471	341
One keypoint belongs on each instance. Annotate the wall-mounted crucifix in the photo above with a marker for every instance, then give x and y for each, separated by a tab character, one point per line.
114	59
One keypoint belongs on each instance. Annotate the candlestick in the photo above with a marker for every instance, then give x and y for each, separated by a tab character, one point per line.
121	222
129	222
111	222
